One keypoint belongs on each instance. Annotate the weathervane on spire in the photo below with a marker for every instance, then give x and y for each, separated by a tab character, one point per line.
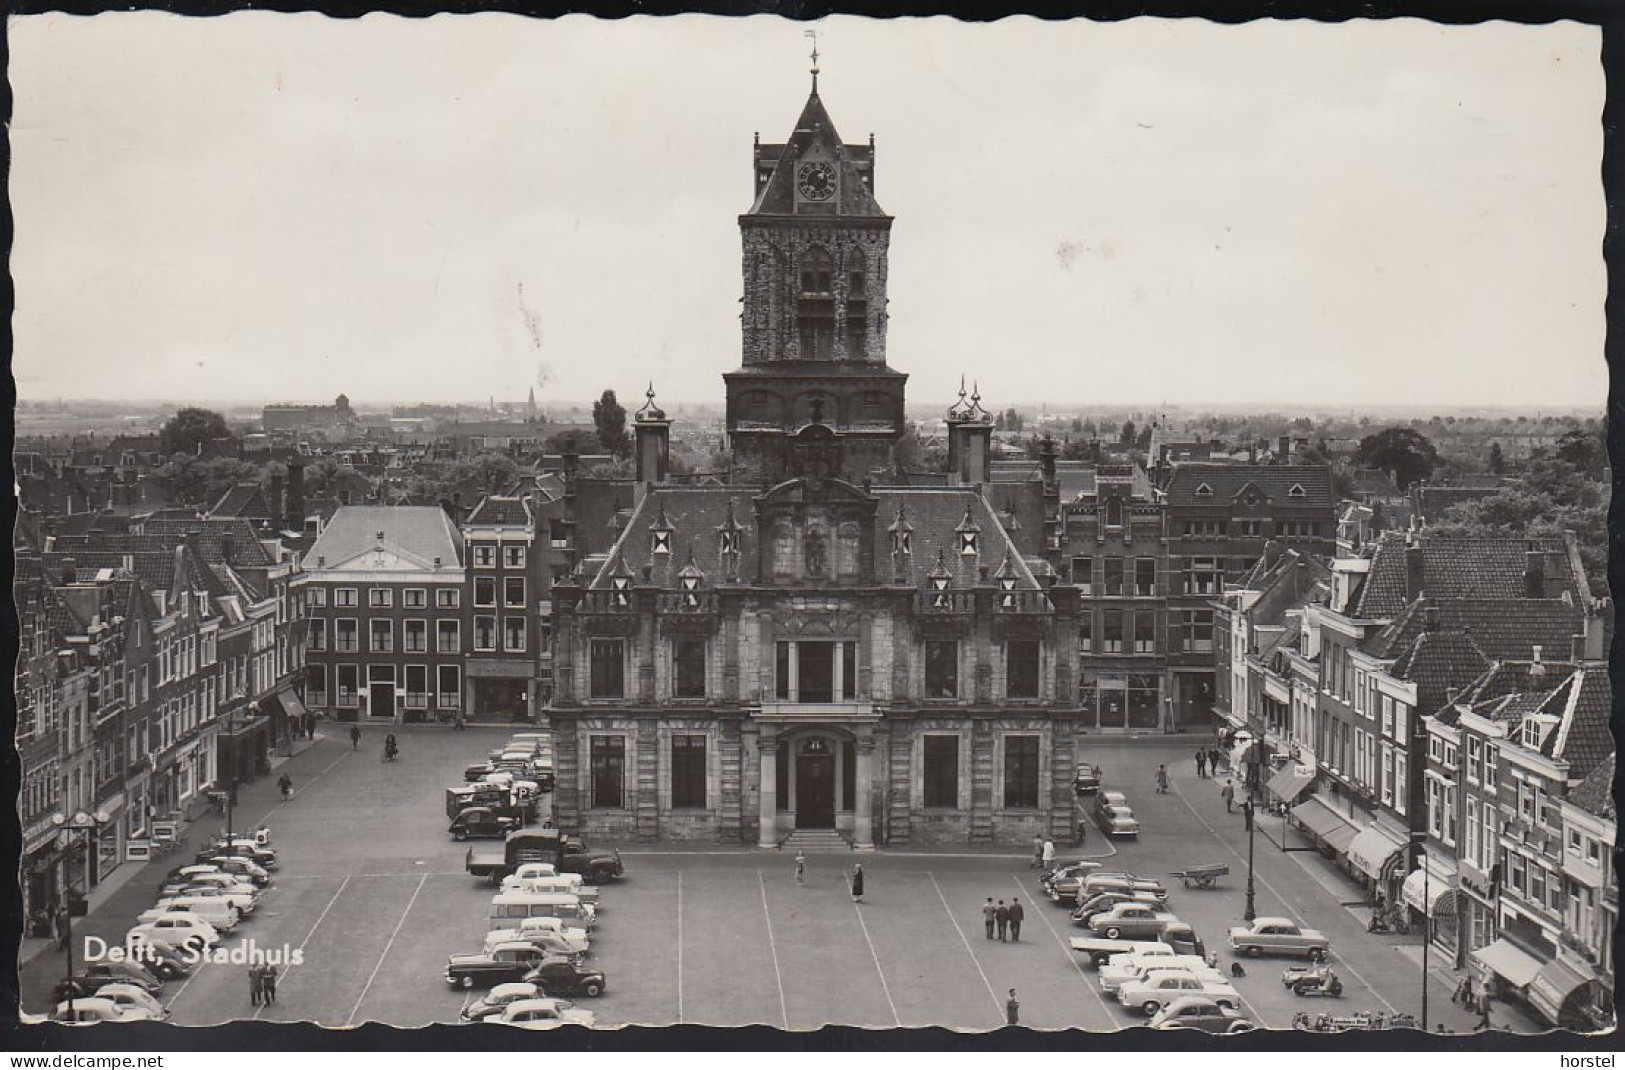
813	34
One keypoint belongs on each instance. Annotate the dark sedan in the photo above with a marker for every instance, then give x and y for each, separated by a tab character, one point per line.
563	977
481	822
500	965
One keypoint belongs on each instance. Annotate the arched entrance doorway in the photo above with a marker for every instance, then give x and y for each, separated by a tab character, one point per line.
815	783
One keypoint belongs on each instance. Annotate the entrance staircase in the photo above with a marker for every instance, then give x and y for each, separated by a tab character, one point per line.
817	841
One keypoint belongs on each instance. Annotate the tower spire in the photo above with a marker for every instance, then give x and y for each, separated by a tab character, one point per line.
813	34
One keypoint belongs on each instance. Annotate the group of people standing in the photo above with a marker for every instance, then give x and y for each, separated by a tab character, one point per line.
262	984
1207	762
1003	919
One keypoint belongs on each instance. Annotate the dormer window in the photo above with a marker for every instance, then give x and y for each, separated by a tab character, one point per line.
1204	491
902	543
660	541
968	543
728	542
620	588
691	589
1296	491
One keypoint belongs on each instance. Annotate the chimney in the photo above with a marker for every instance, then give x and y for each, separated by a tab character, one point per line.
274	506
445	507
226	545
1272	553
1283	449
1413	570
1534	574
1592	642
457	506
70	571
1046	458
1430	618
294	510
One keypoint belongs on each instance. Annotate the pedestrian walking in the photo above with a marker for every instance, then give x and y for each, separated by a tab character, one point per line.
256	986
310	726
1162	780
1201	765
1213	757
988	911
1049	854
355	736
268	982
1016	914
1001	918
801	868
1228	794
1012	1010
285	782
1038	852
1484	1011
857	883
1083	831
62	927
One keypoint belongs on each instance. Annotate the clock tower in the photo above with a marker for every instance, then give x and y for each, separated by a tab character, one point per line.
814	306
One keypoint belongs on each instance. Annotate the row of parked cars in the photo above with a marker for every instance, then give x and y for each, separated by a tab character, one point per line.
540	926
199	904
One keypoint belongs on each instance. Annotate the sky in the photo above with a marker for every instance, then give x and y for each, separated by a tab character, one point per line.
283	207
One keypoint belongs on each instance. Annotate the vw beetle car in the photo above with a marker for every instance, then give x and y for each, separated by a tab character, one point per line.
562	976
1202	1013
92	1010
543	1014
481	822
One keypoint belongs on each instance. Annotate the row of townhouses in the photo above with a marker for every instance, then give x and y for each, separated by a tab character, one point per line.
1432	712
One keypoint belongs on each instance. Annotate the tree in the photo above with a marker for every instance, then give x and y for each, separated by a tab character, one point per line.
1127	436
1142	441
1498	461
1403	451
1077	426
189	429
576	440
192	481
1585	452
610	419
998	422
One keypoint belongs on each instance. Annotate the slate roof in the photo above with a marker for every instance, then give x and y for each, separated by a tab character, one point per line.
160	536
1461	567
778	195
695	514
1514	678
1502	628
501	510
1582	739
421	531
1274	480
1595	794
1437	663
244	499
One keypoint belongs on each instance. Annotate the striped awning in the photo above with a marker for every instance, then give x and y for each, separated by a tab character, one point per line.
1372	849
1509	962
1552	987
1324	822
1427	889
1290	783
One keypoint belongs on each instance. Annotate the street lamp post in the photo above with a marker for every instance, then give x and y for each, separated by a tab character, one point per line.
1247	813
1419	841
85	823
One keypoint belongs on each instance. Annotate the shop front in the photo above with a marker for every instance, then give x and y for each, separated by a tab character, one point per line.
1377	853
1331	830
1430	894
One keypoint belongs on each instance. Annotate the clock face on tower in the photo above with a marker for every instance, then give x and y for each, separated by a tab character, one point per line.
816	180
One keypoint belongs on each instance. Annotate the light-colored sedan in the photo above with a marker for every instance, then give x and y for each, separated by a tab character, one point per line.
176	929
1114	977
92	1010
1131	921
1115	815
130	997
544	1014
529	927
1201	1013
1159	988
496	1001
549	940
1279	936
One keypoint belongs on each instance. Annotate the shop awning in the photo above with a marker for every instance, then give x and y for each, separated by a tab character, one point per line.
291	704
1552	987
1290	783
1324	822
1509	962
1371	850
1425	889
1242	753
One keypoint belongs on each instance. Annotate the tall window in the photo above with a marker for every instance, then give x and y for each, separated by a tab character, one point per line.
1199	630
1021	668
485	555
415	637
941	771
1083	573
1021	771
380	597
1145	576
815	307
688	661
1112	631
345	678
1114	576
941	668
316	637
315	685
1203	576
513	556
608	771
383	636
513	592
608	668
344	596
450	687
1145	632
417	687
485	590
687	772
447	640
485	633
315	597
513	634
447	597
1086	632
414	598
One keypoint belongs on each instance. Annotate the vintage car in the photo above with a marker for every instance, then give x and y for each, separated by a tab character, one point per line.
177	930
228	882
527	928
1115	975
130	996
164	963
1200	1012
1158	988
1086	781
1131	921
1122	883
92	1010
241	867
1101	902
503	963
1064	887
240	901
93	975
1279	936
481	822
551	941
492	1003
543	1014
241	847
477	771
561	976
1114	815
218	913
1055	869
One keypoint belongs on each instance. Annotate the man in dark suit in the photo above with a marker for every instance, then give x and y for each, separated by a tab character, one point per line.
1016	914
1001	916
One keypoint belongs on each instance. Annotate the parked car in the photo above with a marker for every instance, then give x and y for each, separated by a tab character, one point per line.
550	941
1065	887
225	881
177	929
93	1011
1114	815
1159	988
477	771
569	977
493	1002
243	867
241	847
1131	921
481	822
242	902
92	975
543	1014
1104	901
218	913
130	996
1050	873
527	928
1115	975
1086	781
1279	936
503	963
1122	883
164	963
1200	1012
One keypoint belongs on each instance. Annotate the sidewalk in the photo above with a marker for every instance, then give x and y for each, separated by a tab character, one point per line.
196	834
